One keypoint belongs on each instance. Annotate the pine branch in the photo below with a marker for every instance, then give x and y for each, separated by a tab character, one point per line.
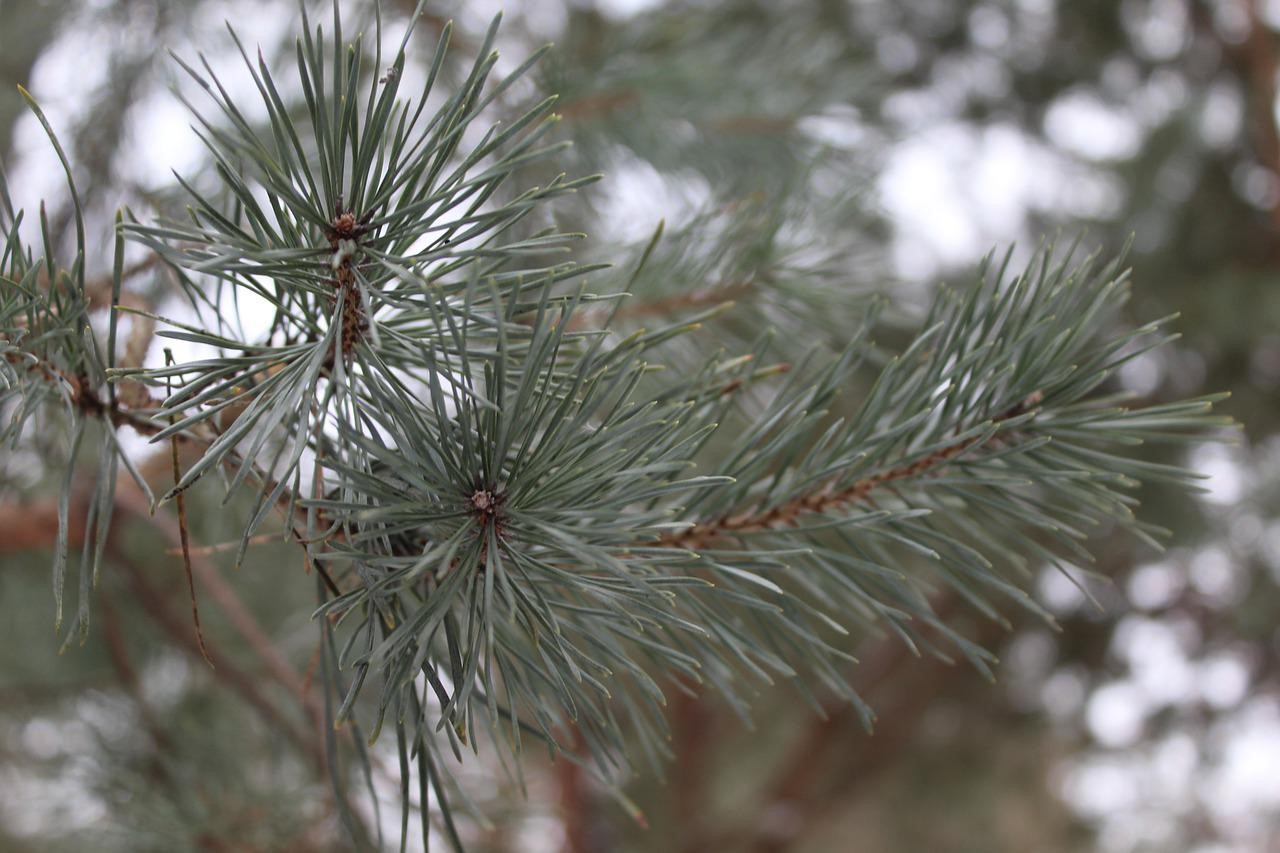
664	308
828	498
503	502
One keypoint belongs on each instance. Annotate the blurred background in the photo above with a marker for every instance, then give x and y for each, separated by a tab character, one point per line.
870	146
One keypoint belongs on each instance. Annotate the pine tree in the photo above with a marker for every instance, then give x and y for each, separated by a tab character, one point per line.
540	495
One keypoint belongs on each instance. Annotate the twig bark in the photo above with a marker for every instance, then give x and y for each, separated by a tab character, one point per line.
157	606
224	596
890	678
692	730
664	307
575	804
828	497
121	661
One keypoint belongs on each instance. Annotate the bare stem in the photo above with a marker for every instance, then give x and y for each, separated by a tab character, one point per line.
828	497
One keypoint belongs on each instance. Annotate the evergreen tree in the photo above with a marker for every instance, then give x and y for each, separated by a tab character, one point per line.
545	483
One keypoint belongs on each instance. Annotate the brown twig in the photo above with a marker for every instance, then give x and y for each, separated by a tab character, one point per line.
574	799
915	694
1256	62
28	527
86	399
1260	54
157	608
34	526
828	497
754	124
223	547
667	306
118	652
225	598
691	734
597	104
793	787
183	536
